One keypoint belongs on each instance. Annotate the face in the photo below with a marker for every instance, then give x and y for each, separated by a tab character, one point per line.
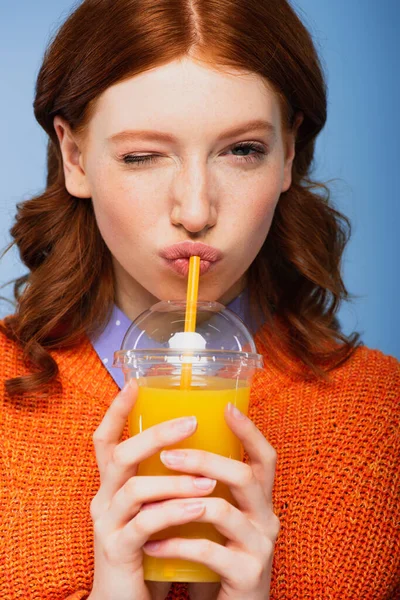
205	184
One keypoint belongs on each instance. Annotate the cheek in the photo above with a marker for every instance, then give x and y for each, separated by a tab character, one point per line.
259	202
264	209
118	209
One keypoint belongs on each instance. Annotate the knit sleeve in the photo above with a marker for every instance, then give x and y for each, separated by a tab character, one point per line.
369	533
44	550
340	518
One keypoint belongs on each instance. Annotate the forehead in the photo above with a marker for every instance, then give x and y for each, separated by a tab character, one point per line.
186	97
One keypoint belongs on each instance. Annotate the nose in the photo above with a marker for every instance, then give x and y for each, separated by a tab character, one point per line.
193	205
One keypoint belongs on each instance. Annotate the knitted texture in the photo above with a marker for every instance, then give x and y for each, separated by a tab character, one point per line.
336	488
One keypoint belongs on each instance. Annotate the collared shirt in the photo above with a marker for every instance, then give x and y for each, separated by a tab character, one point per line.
113	334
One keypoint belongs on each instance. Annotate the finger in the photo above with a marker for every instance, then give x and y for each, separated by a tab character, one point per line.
111	428
261	454
240	571
138	490
133	536
240	532
129	453
244	487
238	529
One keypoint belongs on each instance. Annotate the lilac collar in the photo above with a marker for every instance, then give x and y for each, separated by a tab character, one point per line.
111	338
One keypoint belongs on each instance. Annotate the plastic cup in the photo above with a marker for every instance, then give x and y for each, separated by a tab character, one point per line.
224	360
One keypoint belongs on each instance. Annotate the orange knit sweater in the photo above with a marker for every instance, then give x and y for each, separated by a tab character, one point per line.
336	489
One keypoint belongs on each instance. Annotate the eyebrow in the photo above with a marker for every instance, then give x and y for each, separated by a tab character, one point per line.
258	124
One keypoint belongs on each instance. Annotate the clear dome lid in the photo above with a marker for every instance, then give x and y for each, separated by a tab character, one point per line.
158	335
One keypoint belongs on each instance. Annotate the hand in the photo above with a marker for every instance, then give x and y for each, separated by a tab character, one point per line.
251	529
121	527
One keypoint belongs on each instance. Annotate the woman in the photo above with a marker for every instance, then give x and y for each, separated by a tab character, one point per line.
234	97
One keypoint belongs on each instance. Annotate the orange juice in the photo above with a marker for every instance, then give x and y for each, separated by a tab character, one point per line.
161	399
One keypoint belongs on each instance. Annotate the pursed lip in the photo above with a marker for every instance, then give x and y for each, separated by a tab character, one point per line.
188	249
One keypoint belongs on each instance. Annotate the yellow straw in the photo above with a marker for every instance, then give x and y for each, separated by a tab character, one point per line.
191	312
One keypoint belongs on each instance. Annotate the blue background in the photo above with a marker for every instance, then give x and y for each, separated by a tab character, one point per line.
358	45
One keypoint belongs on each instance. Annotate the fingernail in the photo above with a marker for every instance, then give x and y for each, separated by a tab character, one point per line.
186	424
172	458
204	483
151	546
236	412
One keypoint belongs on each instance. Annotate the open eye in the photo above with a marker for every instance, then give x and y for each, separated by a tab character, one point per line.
258	149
